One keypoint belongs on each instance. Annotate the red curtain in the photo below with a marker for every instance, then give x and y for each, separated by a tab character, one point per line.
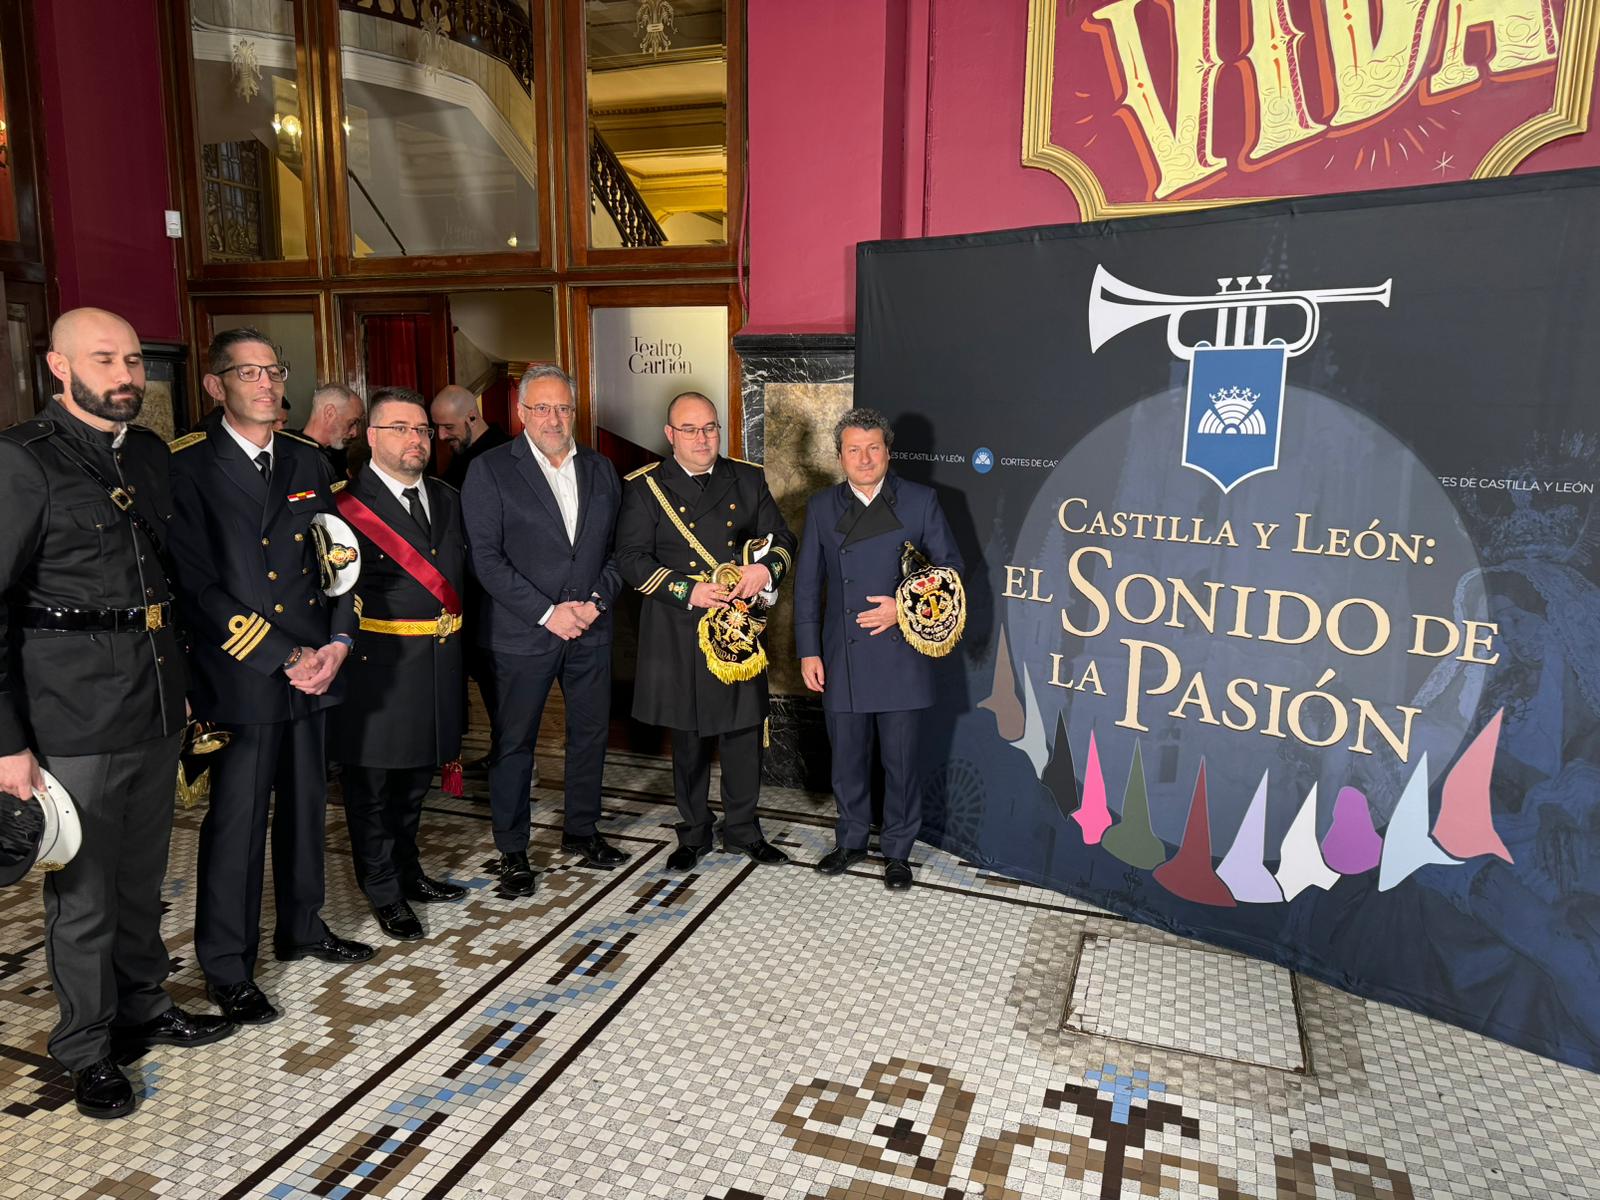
398	352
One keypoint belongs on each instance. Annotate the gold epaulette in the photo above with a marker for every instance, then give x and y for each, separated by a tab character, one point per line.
644	470
187	440
299	437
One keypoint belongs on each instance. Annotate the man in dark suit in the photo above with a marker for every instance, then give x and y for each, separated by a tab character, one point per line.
266	648
91	689
851	649
540	514
407	669
678	516
462	427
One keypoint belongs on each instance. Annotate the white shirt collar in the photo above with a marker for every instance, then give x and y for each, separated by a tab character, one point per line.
251	450
566	462
398	487
865	497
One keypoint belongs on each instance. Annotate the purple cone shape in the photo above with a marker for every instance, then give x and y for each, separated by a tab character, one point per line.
1352	845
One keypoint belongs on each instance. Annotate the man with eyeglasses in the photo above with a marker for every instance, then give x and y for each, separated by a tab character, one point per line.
406	679
678	516
540	514
266	646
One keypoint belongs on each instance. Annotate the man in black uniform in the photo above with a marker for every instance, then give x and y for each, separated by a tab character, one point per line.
266	648
408	669
673	513
91	687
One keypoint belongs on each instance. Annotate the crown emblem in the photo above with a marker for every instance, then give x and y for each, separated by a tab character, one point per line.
1233	410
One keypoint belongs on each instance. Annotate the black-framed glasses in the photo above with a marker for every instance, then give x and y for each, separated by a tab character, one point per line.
251	372
707	431
425	432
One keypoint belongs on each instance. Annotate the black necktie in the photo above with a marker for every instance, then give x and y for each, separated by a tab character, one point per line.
264	465
418	513
701	480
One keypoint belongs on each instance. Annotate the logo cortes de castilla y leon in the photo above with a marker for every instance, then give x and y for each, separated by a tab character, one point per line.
1234	419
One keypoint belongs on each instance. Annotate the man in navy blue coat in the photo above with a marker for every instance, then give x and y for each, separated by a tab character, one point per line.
851	648
540	513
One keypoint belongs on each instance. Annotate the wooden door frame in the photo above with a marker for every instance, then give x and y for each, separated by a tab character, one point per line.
352	308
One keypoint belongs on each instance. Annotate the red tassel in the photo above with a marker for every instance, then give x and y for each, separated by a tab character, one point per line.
450	778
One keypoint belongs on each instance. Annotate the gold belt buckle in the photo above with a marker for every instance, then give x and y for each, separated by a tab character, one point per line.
445	625
154	618
121	499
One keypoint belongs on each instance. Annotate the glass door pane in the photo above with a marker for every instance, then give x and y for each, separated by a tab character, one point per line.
253	130
440	125
658	119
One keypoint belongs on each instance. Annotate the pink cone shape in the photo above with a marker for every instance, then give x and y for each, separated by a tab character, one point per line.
1352	844
1189	873
1465	827
1241	869
1093	815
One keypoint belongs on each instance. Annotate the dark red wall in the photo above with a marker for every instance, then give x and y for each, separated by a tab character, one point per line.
106	159
898	119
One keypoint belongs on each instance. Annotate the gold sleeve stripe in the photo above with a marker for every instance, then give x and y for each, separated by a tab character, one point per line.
358	607
644	470
251	642
655	581
242	628
340	484
187	440
780	552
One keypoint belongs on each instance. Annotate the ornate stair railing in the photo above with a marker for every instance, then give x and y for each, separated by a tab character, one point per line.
498	28
611	186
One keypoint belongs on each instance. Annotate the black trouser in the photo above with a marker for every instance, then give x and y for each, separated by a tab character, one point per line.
103	909
286	760
741	785
382	808
850	735
521	686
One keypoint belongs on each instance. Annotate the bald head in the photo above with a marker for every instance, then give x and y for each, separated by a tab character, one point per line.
455	414
97	357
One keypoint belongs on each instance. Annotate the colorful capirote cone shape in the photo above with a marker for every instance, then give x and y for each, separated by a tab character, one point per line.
1131	839
1093	816
1189	873
1406	844
1009	720
1351	844
1060	776
1032	742
1242	868
1465	827
1300	862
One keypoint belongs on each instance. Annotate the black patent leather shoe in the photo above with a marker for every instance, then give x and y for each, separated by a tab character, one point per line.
329	948
423	890
594	851
839	860
398	921
684	858
897	875
102	1091
760	850
516	876
242	1003
175	1028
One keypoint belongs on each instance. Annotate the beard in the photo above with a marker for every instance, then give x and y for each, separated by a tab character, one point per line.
122	405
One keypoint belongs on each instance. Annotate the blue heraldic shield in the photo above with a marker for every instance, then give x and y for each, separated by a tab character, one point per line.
1235	412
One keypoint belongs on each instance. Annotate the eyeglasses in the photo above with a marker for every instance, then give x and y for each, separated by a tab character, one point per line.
422	431
544	410
694	431
251	372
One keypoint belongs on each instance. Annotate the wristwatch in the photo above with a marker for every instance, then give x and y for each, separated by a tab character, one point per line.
596	599
294	657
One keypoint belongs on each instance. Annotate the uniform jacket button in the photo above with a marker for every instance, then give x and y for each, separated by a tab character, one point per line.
313	600
299	537
305	570
277	608
272	574
268	541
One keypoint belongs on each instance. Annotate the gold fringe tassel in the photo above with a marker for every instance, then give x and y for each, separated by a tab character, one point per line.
726	671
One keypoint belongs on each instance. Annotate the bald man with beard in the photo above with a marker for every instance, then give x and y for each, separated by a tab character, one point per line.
463	428
92	690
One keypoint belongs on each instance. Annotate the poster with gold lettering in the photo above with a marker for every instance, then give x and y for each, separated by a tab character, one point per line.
1143	106
1281	528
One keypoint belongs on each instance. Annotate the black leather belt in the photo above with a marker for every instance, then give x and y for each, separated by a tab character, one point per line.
95	620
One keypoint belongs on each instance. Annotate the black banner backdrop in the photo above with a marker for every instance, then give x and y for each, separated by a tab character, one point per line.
1280	526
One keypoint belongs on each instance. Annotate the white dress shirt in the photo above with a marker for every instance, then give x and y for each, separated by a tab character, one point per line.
563	481
397	487
863	496
251	450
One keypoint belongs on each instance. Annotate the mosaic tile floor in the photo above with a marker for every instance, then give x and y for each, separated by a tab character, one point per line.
745	1033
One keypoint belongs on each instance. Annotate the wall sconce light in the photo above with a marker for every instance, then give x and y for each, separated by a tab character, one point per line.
287	126
512	241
